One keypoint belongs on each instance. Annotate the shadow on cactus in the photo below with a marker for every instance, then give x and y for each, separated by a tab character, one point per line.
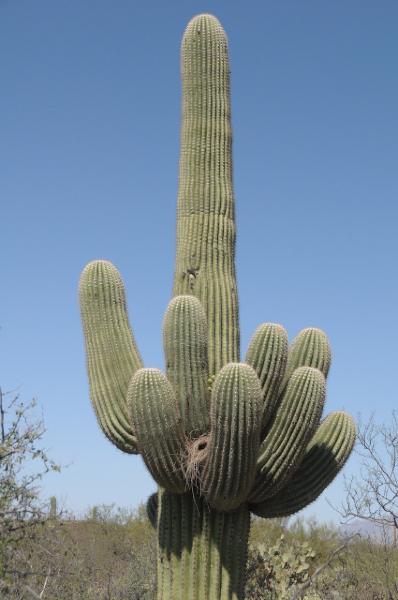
220	437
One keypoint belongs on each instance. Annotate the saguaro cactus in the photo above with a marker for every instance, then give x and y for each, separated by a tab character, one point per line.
222	438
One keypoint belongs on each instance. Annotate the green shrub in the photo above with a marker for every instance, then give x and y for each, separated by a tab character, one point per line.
274	572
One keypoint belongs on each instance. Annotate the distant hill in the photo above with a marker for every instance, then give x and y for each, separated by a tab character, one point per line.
371	530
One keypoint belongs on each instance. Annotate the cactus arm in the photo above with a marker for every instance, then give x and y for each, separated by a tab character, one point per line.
206	213
112	355
185	347
325	455
158	426
267	354
296	420
234	439
310	348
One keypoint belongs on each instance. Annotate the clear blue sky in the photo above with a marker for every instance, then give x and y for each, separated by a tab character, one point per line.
89	132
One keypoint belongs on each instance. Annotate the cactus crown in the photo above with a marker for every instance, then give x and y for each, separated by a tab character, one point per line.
236	433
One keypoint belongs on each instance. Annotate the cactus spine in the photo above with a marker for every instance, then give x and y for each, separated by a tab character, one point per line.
221	438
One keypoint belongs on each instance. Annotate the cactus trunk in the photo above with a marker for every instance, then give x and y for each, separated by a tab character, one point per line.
202	552
205	265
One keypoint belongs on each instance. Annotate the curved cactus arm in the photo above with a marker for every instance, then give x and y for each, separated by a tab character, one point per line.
185	347
326	454
157	423
206	212
310	348
112	355
235	424
267	354
296	420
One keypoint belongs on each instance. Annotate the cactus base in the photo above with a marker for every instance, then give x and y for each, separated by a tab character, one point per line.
202	552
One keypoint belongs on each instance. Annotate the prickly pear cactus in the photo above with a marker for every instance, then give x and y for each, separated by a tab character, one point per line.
220	437
275	572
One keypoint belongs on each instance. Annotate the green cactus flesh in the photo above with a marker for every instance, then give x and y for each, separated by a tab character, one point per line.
202	552
267	354
156	419
185	348
296	420
235	425
311	349
220	437
325	455
205	265
112	355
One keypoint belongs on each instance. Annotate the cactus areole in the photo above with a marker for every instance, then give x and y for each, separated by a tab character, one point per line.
221	438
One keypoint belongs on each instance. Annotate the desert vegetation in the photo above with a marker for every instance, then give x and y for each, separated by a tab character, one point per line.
110	554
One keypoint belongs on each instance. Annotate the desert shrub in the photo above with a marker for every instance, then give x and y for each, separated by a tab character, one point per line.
108	555
274	571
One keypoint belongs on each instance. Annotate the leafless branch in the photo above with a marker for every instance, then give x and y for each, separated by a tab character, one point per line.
373	494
